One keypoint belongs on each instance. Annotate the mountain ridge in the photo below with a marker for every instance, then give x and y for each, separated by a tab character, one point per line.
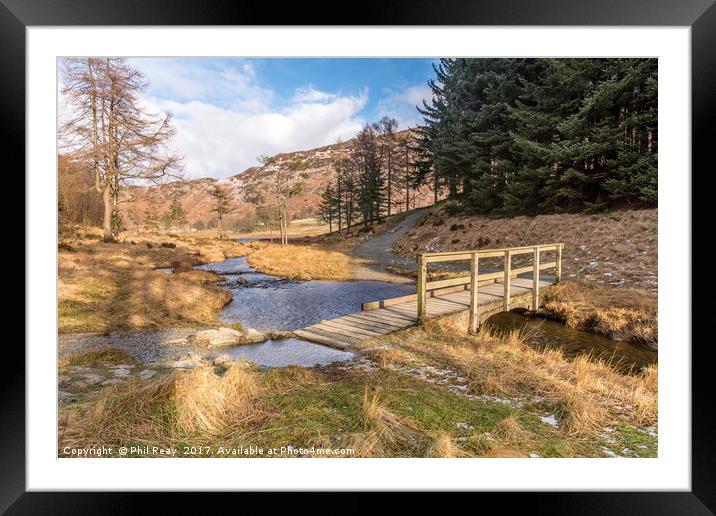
250	191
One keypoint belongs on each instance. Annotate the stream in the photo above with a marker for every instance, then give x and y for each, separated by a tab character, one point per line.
269	303
548	334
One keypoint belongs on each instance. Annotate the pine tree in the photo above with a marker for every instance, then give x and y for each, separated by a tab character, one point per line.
222	206
175	216
509	136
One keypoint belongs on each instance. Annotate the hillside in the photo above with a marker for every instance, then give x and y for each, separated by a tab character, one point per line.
614	248
249	190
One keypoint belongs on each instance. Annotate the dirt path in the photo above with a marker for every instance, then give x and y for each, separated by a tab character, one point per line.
377	253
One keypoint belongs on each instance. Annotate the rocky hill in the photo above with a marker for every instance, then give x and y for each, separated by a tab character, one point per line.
251	191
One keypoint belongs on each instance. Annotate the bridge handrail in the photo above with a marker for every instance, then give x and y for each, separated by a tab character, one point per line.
423	286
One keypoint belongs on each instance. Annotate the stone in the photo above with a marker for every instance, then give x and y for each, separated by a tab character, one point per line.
278	335
120	373
91	379
252	336
64	378
223	360
147	374
65	396
113	381
217	337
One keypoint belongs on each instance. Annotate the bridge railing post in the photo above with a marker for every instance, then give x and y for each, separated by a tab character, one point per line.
421	287
508	275
473	292
558	259
535	280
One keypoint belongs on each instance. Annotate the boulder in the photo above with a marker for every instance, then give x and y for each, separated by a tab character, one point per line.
279	334
224	337
217	337
252	336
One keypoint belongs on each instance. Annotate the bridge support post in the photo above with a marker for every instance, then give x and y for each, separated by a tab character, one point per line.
473	293
421	287
535	281
508	275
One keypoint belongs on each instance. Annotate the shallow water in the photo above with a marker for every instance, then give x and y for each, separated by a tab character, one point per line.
285	352
271	303
545	333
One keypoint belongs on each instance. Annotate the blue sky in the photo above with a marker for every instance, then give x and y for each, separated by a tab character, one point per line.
229	111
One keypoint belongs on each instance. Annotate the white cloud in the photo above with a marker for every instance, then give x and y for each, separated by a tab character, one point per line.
401	105
218	142
220	84
225	118
309	94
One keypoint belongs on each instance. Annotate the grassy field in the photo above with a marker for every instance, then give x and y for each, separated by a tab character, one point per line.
107	286
423	392
301	262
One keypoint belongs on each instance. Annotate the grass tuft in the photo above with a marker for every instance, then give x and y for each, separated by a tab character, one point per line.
98	357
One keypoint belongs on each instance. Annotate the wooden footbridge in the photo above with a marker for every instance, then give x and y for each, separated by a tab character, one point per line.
482	294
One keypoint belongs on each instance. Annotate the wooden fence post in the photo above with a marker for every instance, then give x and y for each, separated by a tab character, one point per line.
535	281
508	274
558	272
473	293
421	290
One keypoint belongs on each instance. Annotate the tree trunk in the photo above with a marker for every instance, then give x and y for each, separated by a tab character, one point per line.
221	235
390	180
107	219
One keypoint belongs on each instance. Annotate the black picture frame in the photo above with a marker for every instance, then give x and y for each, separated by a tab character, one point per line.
700	15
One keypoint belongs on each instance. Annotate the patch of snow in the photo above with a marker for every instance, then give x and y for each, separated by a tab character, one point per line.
608	452
550	420
535	455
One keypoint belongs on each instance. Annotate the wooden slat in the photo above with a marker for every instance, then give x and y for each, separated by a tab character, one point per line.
348	340
376	323
484	253
398	310
353	330
381	317
398	317
462	280
313	337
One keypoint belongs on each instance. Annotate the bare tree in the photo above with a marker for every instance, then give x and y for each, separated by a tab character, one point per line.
284	189
107	124
222	206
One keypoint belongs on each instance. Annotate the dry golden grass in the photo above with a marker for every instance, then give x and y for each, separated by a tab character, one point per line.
300	262
444	447
586	394
213	405
386	357
107	286
196	405
383	430
98	357
617	312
